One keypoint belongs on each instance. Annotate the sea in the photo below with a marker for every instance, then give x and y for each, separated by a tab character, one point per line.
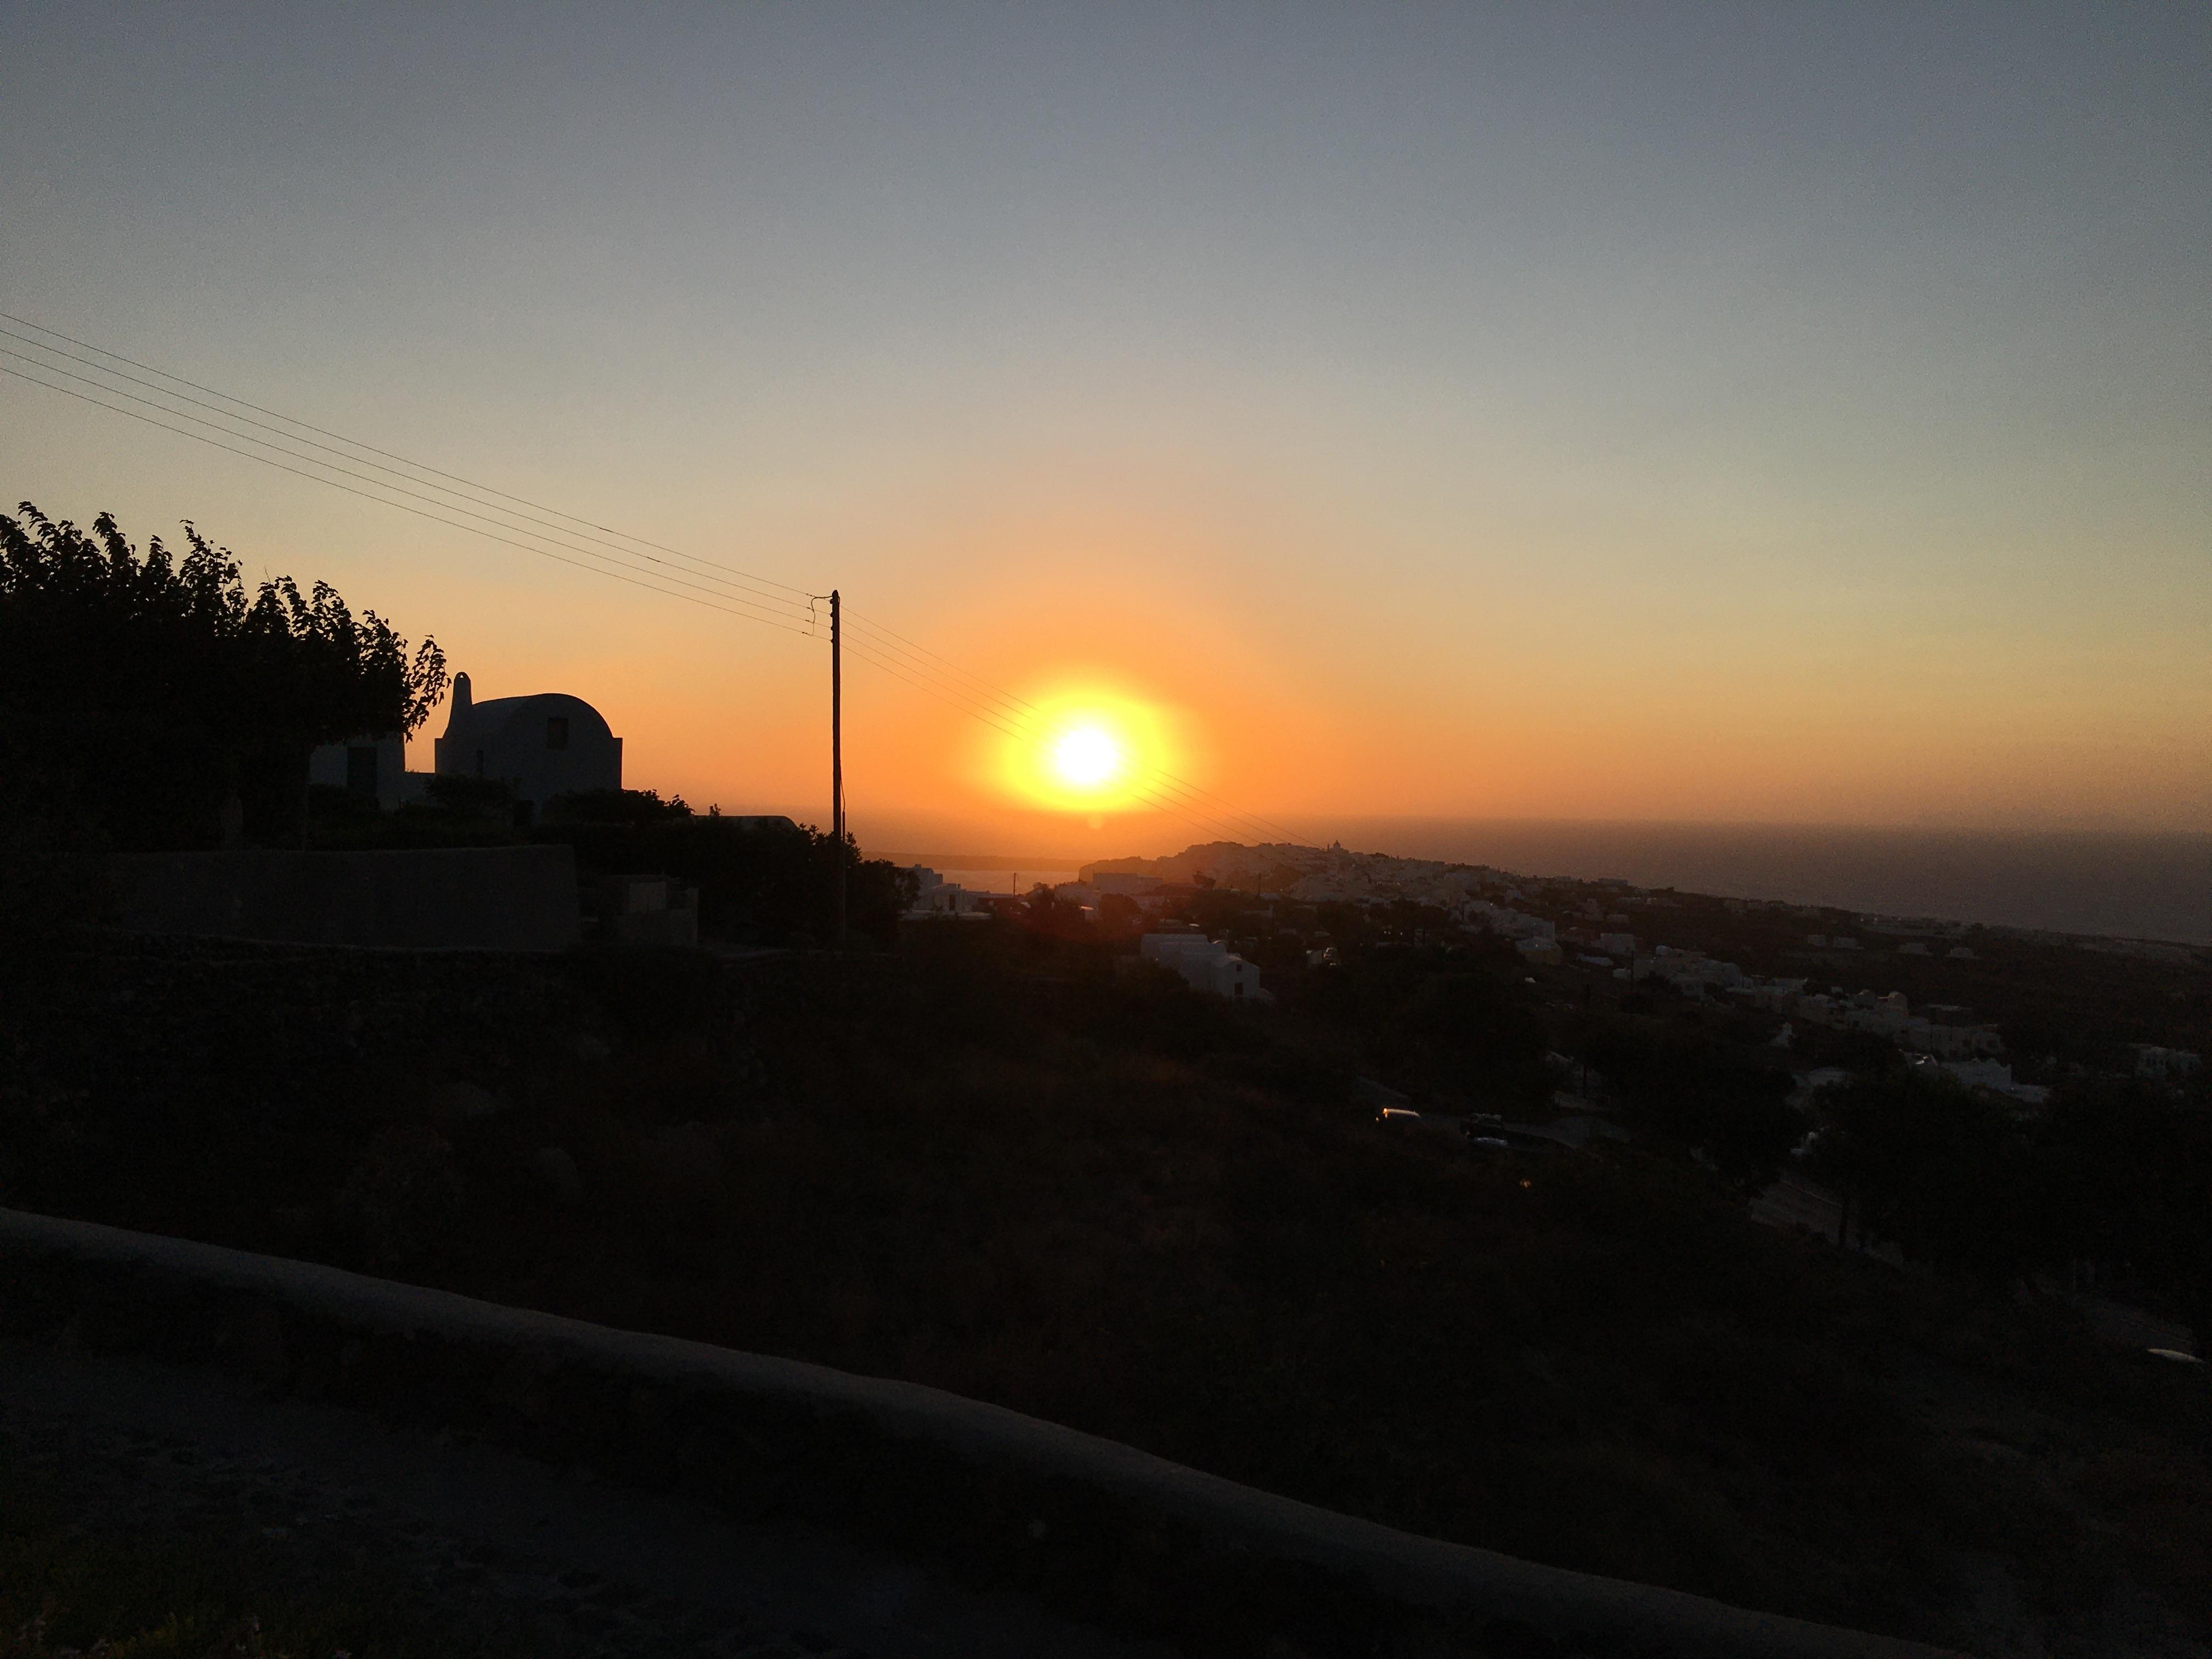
2126	886
1017	878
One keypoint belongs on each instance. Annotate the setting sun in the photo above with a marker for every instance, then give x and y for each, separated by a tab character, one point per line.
1086	758
1087	749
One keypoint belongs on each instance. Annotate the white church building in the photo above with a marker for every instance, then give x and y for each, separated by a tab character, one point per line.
547	744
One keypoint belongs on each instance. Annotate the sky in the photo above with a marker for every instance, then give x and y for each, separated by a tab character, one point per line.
1763	414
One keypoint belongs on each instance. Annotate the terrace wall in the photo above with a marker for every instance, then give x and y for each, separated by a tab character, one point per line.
483	898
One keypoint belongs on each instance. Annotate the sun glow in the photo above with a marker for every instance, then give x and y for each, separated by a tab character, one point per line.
1085	758
1089	751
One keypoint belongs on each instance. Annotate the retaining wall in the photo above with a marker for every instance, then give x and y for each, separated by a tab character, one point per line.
1102	1531
483	898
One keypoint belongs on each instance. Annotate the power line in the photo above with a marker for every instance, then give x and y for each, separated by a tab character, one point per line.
291	437
184	432
380	483
389	455
889	651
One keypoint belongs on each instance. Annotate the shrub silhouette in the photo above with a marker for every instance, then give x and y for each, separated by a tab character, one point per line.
153	689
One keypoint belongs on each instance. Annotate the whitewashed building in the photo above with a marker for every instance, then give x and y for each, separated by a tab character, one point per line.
545	745
1205	964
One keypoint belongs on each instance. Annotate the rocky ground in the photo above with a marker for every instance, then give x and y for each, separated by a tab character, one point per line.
478	1548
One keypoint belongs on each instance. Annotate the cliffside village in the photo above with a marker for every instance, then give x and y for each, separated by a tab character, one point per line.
1593	926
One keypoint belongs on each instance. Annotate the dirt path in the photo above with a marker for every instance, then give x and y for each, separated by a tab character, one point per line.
468	1538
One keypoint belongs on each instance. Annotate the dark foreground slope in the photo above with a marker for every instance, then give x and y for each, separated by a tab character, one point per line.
1081	1193
175	1512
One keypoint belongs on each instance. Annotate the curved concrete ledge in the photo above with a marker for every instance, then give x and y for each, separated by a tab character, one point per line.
1106	1532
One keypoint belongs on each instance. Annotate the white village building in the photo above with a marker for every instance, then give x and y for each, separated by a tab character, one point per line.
546	745
1205	964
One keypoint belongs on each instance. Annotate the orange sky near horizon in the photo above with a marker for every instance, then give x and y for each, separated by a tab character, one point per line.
1303	714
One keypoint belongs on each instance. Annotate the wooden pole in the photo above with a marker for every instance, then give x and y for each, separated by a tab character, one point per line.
837	753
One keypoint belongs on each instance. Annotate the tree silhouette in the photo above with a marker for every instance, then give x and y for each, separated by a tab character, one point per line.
152	688
1695	1087
1452	1021
1947	1174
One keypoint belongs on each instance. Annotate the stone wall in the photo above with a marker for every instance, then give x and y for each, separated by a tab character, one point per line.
1105	1533
483	898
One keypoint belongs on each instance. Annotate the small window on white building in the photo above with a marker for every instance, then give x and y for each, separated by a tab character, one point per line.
556	732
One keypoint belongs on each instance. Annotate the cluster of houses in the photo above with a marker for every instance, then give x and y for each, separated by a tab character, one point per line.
936	898
2164	1065
1205	964
1599	936
1941	1035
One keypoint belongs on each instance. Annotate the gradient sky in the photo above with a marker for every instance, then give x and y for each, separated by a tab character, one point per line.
1768	414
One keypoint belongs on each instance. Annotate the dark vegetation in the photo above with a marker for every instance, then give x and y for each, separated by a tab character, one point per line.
144	694
2109	1184
1452	1022
1693	1084
759	882
69	1593
1029	1171
2113	1175
69	1597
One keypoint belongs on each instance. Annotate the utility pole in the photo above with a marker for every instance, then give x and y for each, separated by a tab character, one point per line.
837	753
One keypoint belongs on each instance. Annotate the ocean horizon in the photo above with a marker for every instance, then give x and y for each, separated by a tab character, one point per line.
2118	883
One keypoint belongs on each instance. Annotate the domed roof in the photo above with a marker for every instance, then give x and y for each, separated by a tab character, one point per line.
489	718
486	719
